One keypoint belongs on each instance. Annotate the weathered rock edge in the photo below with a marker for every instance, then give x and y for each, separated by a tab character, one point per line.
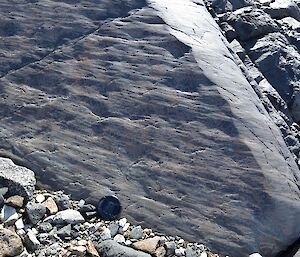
19	180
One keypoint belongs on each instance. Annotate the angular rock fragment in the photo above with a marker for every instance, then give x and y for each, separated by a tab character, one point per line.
19	180
35	212
147	245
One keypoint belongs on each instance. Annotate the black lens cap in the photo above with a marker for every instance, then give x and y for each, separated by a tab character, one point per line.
109	208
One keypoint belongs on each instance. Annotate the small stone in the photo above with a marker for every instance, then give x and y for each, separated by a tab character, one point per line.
180	251
114	228
3	191
122	222
119	239
40	198
35	212
63	202
91	250
45	227
170	247
81	203
204	254
10	243
125	228
160	252
128	242
50	206
68	217
19	224
79	251
15	201
82	242
9	215
30	241
105	234
137	232
147	245
65	231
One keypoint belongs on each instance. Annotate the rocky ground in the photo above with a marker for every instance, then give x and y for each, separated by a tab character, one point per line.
41	223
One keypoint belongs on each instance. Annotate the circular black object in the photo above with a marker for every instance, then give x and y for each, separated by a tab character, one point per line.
109	208
1	201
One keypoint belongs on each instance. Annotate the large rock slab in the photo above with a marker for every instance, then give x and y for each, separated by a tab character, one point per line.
19	180
146	103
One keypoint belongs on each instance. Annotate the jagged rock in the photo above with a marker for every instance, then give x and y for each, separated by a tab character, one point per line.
51	205
19	224
148	245
62	201
19	180
10	243
79	251
65	231
251	23
35	212
283	8
15	201
110	248
170	247
91	250
30	241
8	214
279	62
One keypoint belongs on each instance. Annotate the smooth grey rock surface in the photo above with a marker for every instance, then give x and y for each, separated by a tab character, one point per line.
19	180
139	100
110	248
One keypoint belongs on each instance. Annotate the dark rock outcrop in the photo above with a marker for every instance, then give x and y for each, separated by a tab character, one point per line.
140	100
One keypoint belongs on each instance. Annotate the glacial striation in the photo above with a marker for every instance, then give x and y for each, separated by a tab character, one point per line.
149	101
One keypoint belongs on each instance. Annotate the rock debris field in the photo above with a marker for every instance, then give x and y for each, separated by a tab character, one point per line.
40	224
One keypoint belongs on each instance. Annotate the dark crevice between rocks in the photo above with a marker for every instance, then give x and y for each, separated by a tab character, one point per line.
291	251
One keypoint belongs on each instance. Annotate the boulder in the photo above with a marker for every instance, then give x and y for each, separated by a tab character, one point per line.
283	8
10	243
19	180
110	248
278	61
250	23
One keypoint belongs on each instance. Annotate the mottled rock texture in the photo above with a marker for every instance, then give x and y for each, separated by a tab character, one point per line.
145	100
19	180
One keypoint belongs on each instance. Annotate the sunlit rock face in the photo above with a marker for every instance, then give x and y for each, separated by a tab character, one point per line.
146	100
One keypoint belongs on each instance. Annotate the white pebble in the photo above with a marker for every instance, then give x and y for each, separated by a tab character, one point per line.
82	242
119	239
128	242
122	222
40	198
203	254
19	224
81	203
180	252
